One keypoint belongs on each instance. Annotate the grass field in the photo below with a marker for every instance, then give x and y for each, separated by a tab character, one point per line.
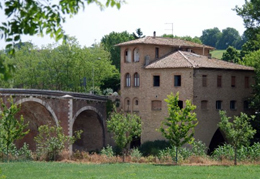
217	53
55	170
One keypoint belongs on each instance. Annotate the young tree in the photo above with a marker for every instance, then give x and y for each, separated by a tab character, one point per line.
11	128
51	140
124	127
178	128
238	132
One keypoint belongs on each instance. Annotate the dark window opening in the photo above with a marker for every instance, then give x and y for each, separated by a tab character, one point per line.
177	80
218	105
233	81
136	102
156	80
246	82
180	104
233	105
156	52
246	105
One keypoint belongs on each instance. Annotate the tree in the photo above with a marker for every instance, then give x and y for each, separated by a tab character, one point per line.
11	129
41	17
187	38
211	36
179	126
124	127
231	55
229	37
238	132
138	34
109	41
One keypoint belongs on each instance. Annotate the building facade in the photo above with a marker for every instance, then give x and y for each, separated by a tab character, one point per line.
154	67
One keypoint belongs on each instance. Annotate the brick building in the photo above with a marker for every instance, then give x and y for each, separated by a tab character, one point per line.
153	67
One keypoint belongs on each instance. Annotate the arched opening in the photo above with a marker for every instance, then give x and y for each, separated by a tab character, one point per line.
36	114
127	105
92	138
217	140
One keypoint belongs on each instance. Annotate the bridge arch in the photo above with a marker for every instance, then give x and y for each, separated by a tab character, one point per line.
37	100
91	121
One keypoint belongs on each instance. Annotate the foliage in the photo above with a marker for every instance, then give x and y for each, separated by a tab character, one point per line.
238	132
109	41
199	148
231	55
112	82
138	34
153	147
66	67
229	37
245	153
178	128
51	140
107	151
187	38
221	40
124	127
22	154
41	17
135	155
169	154
11	129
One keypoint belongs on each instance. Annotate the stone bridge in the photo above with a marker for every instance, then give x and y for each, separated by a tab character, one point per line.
72	111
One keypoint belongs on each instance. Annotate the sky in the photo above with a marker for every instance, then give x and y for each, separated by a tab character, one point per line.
187	17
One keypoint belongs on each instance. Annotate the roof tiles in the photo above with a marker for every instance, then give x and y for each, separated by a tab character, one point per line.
183	59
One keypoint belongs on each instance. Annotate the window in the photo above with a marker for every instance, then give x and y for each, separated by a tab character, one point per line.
136	55
127	104
232	105
204	104
135	105
136	102
177	80
127	56
156	80
219	81
233	81
156	52
246	105
246	82
180	104
204	80
156	105
127	80
218	105
136	80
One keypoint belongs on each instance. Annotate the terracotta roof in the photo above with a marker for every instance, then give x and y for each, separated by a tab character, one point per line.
183	59
164	41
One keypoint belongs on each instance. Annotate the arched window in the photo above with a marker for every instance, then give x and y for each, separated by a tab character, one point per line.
136	80
127	80
135	105
128	56
127	104
136	55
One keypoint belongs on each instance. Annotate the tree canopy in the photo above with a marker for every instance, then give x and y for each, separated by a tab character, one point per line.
41	17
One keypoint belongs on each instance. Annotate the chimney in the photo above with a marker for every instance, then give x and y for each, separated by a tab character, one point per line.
154	34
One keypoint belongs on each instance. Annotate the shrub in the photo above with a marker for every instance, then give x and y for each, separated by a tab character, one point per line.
223	152
135	155
168	154
107	151
51	140
17	154
254	151
153	147
199	148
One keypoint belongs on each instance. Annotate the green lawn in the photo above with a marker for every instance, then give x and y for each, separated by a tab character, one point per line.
217	53
56	170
